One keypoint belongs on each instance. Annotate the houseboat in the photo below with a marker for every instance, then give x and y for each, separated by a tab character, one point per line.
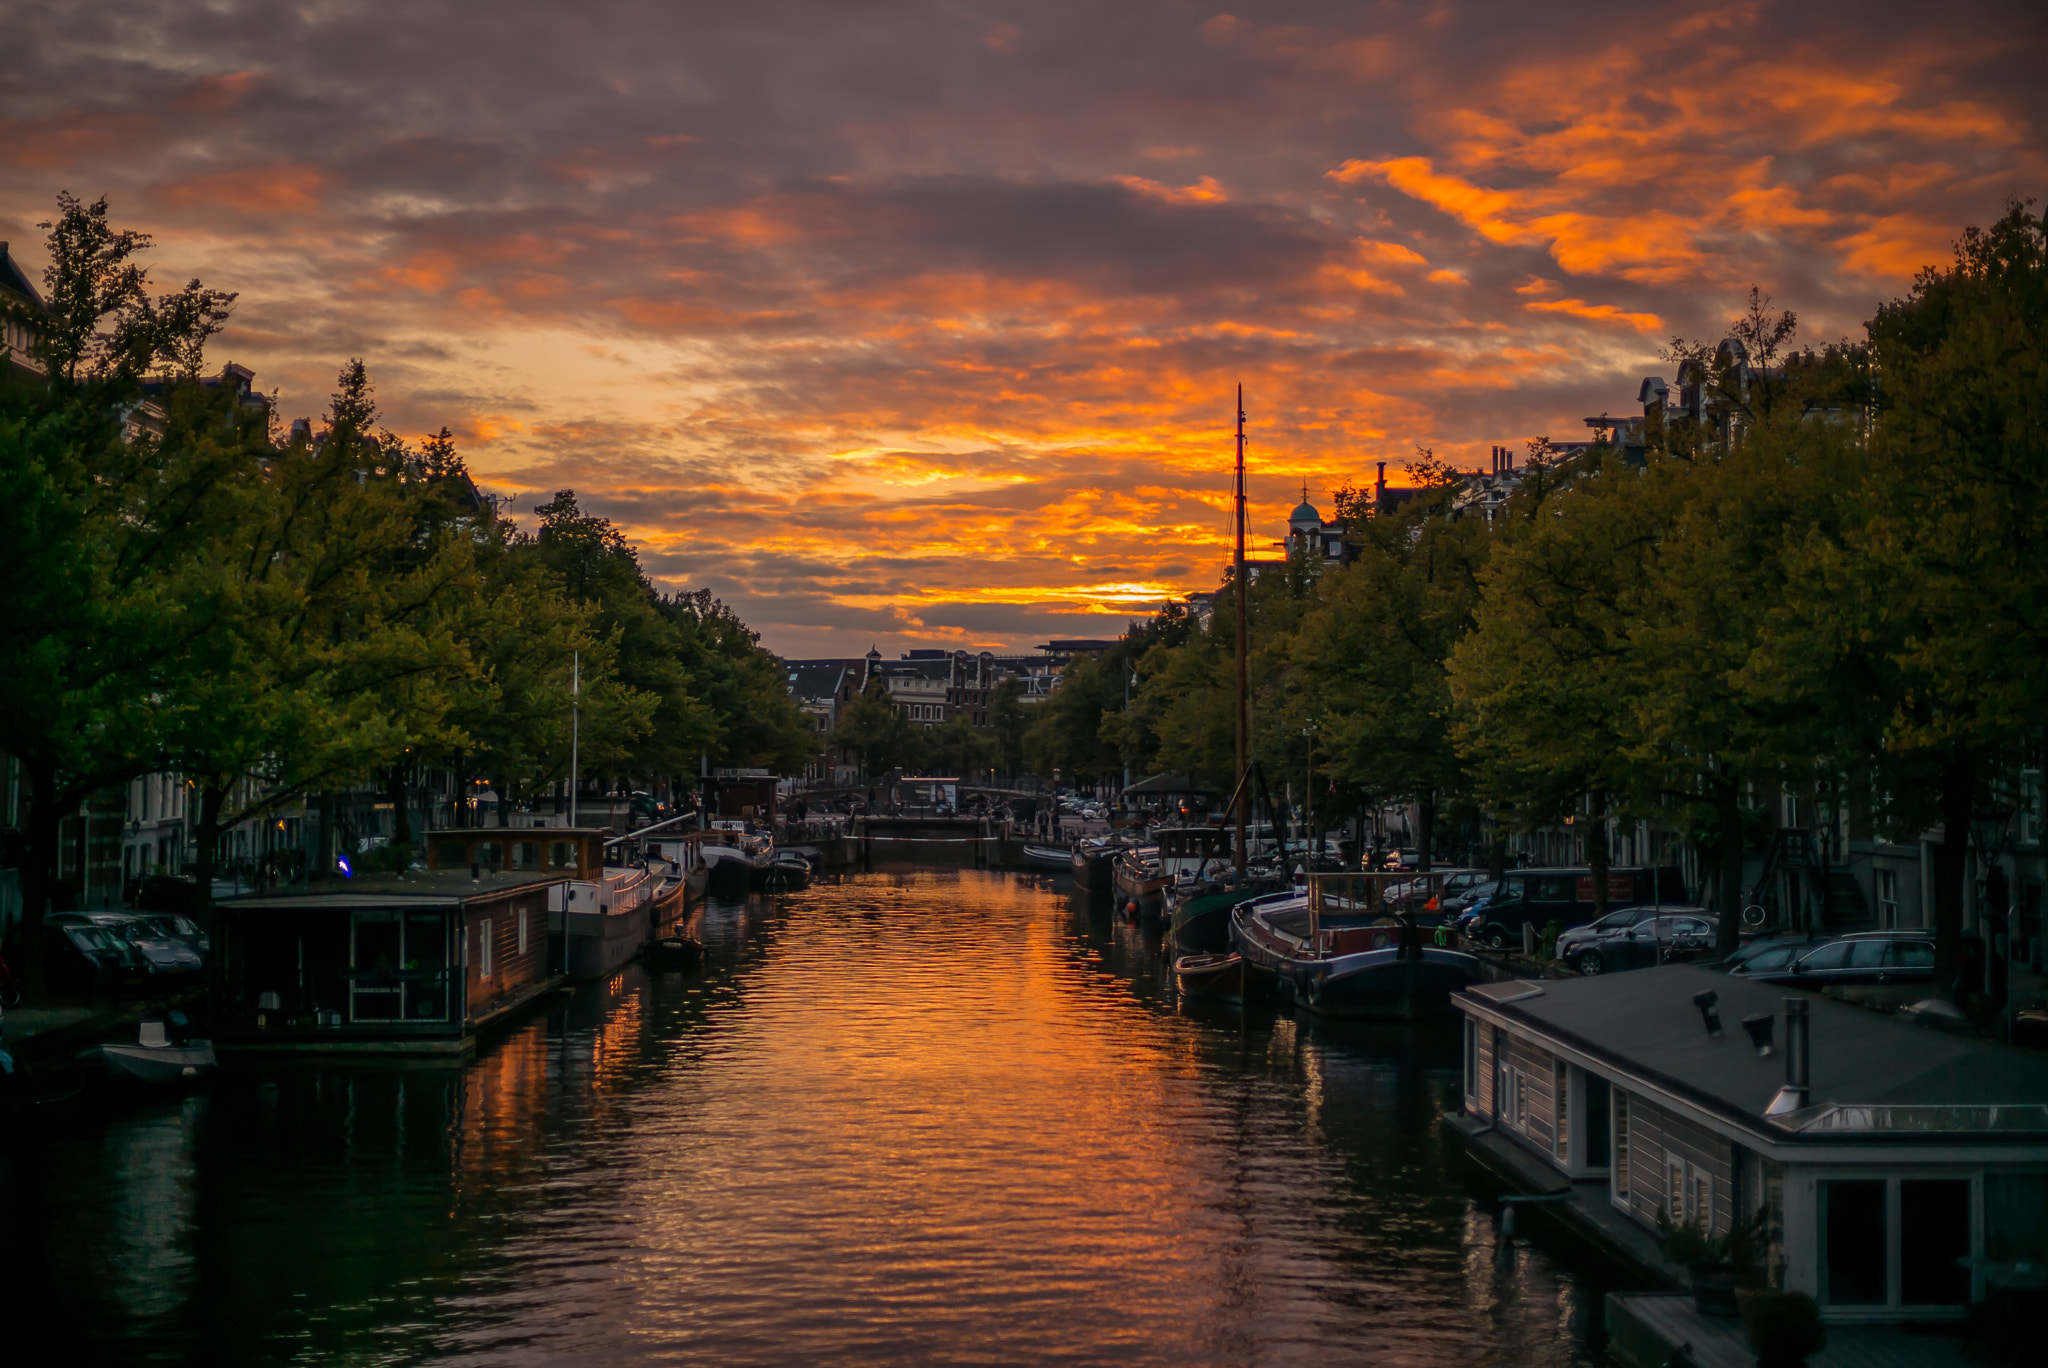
1337	949
599	913
1904	1170
415	963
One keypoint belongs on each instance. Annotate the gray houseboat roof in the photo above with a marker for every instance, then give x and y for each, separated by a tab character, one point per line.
420	888
1870	1073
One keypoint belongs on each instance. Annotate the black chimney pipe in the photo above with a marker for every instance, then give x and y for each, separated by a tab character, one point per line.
1760	1028
1797	1094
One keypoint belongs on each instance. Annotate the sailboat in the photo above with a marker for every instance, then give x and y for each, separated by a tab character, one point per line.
1207	966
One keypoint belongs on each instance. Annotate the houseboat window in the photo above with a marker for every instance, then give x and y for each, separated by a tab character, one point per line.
1621	1150
562	855
490	854
453	855
526	855
1471	1058
1934	1232
2016	1216
376	992
1595	1093
1561	1115
1855	1242
426	966
521	915
483	948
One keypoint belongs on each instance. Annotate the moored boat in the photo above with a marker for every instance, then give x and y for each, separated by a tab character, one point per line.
786	872
1093	864
1059	859
605	921
1138	879
1347	958
162	1056
1198	913
1214	978
672	952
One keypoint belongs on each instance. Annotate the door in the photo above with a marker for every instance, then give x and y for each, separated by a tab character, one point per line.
376	958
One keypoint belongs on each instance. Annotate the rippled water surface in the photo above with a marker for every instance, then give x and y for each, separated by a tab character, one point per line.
919	1117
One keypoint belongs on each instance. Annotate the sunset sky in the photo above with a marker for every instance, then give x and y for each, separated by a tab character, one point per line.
918	323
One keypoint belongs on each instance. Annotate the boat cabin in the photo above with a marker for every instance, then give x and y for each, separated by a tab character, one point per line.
1905	1169
564	852
1192	851
415	963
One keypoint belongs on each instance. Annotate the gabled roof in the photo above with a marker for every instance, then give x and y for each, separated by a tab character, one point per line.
14	280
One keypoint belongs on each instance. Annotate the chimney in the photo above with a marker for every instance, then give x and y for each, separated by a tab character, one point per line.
302	430
1797	1094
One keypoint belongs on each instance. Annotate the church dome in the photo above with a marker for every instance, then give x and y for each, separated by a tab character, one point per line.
1304	513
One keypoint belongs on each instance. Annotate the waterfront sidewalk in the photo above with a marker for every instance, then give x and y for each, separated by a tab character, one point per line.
1645	1329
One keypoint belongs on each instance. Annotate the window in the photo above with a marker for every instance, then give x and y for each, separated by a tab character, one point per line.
1471	1058
483	949
1828	957
1674	1190
1560	1082
1620	1146
1912	954
521	924
1887	897
1788	809
1867	954
1700	1199
2030	807
526	854
452	855
1855	1242
562	855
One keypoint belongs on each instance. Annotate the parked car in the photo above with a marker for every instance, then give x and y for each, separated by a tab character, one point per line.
1861	957
1638	937
81	956
1541	896
176	926
157	957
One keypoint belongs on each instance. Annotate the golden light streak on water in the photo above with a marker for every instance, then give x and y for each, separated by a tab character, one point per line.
916	1117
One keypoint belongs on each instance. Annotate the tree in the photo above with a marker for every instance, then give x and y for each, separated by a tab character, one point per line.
1916	617
1540	682
1376	649
880	732
104	583
1009	720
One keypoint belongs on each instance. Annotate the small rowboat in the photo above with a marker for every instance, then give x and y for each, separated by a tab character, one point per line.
673	952
1057	858
1213	978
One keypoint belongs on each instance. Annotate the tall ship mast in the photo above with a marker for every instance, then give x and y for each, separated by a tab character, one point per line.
1244	738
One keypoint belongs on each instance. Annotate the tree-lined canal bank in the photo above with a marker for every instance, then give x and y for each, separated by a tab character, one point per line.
936	1116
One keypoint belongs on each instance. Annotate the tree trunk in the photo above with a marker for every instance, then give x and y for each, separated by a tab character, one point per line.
1728	893
1596	852
329	838
1958	788
39	872
1425	834
401	814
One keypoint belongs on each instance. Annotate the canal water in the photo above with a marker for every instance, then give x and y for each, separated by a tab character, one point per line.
916	1117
